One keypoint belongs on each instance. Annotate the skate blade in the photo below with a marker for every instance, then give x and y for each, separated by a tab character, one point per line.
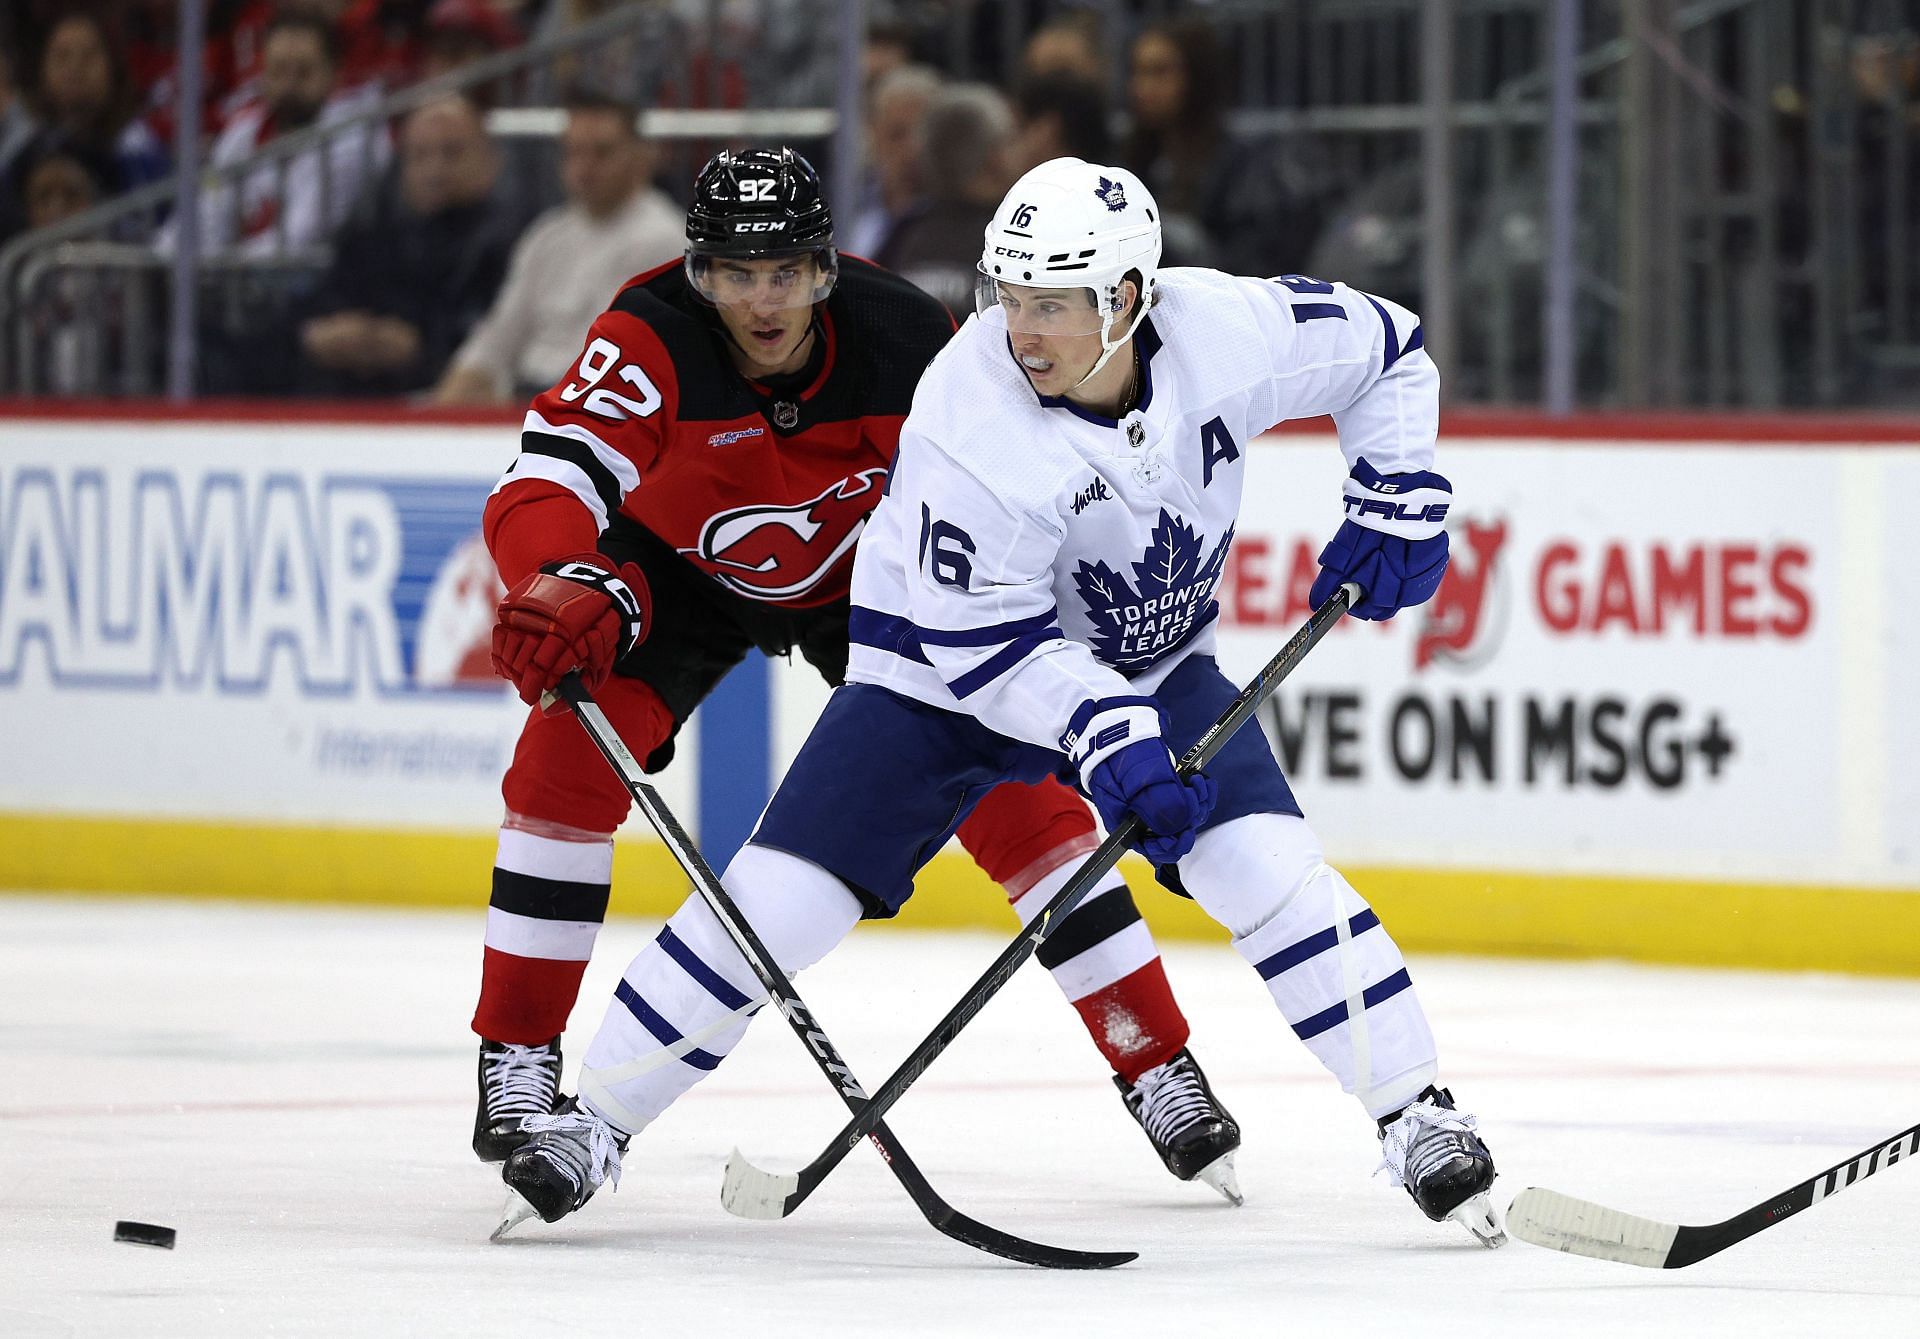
1478	1216
1221	1176
517	1211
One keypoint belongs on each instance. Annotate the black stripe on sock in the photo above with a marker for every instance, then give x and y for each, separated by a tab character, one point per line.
1091	924
549	899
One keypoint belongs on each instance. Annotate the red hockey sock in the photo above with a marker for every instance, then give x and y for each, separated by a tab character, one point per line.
525	1000
554	870
1135	1021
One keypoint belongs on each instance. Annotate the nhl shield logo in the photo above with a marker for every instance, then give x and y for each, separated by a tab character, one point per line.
1136	433
786	414
1112	195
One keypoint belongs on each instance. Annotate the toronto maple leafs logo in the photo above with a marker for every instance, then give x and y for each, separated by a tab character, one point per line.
1112	194
1136	624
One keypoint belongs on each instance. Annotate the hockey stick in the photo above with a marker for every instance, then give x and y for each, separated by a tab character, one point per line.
751	1192
943	1216
1563	1223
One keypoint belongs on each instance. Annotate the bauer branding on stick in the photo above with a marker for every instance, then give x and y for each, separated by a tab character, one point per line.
144	1234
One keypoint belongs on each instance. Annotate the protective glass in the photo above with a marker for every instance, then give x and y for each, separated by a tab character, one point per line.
764	283
1038	311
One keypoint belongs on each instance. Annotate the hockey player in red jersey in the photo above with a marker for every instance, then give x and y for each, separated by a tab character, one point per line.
689	492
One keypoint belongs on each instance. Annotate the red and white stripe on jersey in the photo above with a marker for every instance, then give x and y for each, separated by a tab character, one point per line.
601	480
592	434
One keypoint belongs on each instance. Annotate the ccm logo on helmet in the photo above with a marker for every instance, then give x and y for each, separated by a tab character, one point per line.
761	225
1010	252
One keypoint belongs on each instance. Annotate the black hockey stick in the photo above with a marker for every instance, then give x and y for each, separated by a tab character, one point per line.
943	1216
753	1193
1563	1223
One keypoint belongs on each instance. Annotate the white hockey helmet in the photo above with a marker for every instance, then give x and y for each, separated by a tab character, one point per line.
1070	225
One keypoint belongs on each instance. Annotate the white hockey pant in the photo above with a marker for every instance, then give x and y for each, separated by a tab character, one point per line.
1337	976
684	1001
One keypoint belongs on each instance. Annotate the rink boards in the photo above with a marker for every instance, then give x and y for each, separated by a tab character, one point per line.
1659	709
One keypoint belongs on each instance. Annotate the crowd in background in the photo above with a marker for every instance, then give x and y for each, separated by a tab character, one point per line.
433	272
424	255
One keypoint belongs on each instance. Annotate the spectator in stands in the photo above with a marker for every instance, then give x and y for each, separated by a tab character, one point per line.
229	59
414	273
1073	45
895	111
629	64
274	211
1059	116
382	42
57	178
460	32
1248	209
72	325
17	125
573	259
967	163
888	47
83	91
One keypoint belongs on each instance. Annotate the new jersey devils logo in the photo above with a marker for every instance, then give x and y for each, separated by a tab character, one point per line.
767	552
1455	620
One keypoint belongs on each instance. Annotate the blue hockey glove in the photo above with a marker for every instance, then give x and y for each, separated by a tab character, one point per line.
1392	544
1125	768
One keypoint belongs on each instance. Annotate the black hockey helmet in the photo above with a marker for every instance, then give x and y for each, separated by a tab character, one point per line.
759	204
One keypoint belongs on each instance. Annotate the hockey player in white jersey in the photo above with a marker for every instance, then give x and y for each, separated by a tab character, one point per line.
1035	596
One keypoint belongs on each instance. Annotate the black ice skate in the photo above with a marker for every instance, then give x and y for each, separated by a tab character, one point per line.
565	1158
1190	1130
1431	1149
515	1082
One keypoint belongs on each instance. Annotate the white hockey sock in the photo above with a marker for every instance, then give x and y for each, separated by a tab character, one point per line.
684	1001
1336	974
1103	940
550	892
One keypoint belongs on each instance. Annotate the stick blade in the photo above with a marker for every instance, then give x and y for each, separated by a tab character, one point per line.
1580	1227
748	1192
972	1232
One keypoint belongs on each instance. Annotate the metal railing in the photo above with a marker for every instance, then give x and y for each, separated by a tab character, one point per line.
85	322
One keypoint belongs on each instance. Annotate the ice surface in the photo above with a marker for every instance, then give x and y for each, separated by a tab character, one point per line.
292	1090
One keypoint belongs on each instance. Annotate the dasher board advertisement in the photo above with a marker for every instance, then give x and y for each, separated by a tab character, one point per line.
1670	660
252	621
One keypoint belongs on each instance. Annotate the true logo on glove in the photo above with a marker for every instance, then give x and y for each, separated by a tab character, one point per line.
1431	514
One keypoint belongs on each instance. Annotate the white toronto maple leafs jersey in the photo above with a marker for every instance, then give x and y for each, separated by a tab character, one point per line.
1031	557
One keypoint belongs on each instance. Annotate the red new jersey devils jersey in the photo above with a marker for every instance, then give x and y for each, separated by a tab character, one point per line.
762	485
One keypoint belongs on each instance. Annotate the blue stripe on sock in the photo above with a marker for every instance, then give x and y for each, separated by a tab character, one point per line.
716	985
1308	1028
661	1029
1312	946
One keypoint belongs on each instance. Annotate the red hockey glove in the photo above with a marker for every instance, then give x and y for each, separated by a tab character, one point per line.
571	614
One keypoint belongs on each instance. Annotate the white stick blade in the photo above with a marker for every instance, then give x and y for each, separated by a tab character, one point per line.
1563	1223
748	1192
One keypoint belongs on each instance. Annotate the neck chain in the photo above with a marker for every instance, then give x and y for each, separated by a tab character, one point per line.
1131	400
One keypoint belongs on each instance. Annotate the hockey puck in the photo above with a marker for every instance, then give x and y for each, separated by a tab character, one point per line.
144	1234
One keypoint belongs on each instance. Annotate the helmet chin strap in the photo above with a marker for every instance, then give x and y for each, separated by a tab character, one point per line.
1110	346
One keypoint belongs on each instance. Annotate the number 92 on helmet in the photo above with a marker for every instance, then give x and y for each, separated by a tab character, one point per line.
759	232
